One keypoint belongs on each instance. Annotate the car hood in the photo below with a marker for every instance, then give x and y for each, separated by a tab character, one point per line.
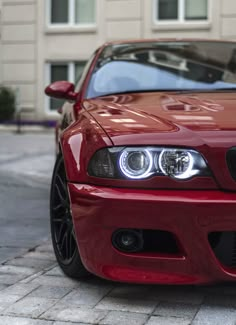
160	118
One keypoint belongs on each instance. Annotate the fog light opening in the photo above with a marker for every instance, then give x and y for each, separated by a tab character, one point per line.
128	240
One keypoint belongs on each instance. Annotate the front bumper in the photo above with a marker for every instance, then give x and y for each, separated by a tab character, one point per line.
189	215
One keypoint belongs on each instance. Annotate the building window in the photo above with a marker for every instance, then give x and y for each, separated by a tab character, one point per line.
72	12
182	10
71	71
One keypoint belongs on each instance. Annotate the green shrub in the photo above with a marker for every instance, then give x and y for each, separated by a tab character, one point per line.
7	104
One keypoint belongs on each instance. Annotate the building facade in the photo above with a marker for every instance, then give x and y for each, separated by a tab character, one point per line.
45	40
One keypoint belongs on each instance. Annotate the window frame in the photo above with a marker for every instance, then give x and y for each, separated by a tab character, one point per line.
71	18
70	78
181	22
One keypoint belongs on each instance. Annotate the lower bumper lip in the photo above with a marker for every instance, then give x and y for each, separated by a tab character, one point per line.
189	215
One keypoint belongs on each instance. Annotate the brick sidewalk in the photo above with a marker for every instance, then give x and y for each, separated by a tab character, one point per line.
33	291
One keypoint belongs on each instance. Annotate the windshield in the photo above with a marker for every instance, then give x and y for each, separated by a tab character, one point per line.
164	66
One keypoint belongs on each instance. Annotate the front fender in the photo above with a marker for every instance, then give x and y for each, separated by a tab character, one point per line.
78	143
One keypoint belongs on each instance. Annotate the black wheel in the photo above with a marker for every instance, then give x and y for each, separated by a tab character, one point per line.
62	229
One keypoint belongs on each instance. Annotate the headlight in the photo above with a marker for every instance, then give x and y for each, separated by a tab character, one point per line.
136	164
144	162
101	164
177	163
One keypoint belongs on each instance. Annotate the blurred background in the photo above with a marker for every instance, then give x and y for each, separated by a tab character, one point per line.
46	40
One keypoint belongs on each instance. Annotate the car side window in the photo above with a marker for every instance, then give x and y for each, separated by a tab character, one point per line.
85	71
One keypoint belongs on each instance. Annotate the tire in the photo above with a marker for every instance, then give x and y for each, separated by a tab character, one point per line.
62	229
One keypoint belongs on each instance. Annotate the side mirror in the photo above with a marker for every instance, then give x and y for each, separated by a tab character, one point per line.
62	90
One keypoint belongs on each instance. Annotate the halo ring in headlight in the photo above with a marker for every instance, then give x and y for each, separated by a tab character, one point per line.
176	163
136	163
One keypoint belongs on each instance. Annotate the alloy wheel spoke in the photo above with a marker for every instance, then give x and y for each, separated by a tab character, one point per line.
62	184
73	234
60	216
57	220
67	246
74	237
64	202
57	207
60	233
63	242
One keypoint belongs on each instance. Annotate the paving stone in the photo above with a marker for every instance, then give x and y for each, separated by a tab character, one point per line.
3	286
47	247
32	307
215	315
10	252
64	313
55	271
9	320
124	318
7	300
176	310
220	300
2	308
218	290
86	294
188	295
30	262
50	292
157	320
121	304
44	296
41	255
32	277
68	323
181	295
9	279
12	269
134	291
20	289
56	281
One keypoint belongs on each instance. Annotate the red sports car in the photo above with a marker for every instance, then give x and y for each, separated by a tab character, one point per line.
144	185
